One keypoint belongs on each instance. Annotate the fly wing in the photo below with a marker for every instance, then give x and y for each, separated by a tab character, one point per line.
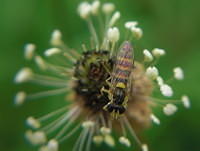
123	64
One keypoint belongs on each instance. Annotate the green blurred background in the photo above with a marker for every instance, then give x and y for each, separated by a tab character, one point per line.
169	24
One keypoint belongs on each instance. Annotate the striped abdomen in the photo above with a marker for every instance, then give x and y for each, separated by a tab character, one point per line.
123	64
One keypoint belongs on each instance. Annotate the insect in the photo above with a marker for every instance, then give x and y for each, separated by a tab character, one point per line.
118	82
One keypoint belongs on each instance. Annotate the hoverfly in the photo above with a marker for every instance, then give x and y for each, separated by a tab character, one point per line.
119	81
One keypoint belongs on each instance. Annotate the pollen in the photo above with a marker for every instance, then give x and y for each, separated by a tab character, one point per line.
32	122
147	56
178	73
108	8
125	141
51	51
186	101
23	75
105	130
56	38
98	139
152	72
29	51
20	98
169	109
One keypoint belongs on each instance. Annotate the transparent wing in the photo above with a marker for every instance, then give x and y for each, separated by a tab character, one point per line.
123	65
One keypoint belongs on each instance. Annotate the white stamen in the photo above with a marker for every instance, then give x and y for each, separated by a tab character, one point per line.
166	90
29	135
98	139
137	32
95	7
56	38
125	141
109	140
55	125
105	130
29	51
114	18
68	56
108	8
131	130
144	147
130	24
155	119
20	98
52	114
52	145
186	101
52	51
32	122
178	73
169	109
79	146
66	127
48	93
147	56
40	62
113	34
43	148
87	124
36	138
23	75
152	72
157	52
84	10
160	80
71	133
89	140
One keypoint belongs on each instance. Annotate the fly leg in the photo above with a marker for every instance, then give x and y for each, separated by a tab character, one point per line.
103	90
106	90
108	82
106	68
125	102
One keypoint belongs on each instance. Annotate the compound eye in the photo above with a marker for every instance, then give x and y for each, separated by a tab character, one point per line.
121	109
110	108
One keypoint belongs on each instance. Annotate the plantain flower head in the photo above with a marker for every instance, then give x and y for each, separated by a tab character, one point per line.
109	92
